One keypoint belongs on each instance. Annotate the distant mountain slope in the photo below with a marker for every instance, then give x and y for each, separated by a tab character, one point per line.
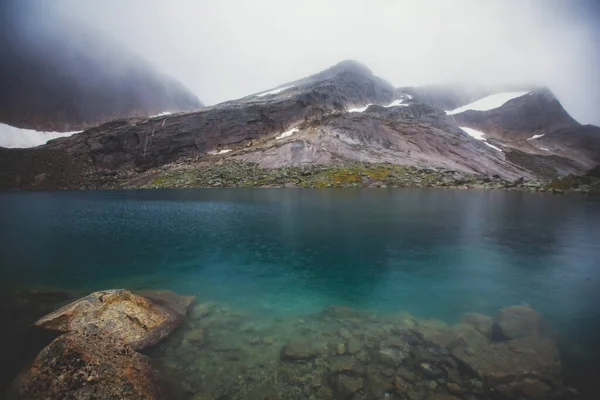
341	115
56	75
538	124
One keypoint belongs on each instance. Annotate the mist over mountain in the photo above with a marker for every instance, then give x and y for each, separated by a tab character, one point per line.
59	75
225	50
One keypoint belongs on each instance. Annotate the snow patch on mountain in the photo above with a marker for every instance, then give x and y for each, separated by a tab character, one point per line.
536	137
214	153
274	91
162	114
287	133
488	103
397	103
479	136
13	137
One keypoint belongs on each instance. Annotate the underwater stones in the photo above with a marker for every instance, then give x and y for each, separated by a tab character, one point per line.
527	388
345	386
345	333
431	371
442	396
516	322
481	322
201	310
139	321
393	352
343	312
298	349
454	388
376	386
391	357
459	335
195	336
354	346
345	364
88	364
501	363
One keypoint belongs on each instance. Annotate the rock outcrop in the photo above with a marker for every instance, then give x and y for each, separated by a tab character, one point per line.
138	321
88	363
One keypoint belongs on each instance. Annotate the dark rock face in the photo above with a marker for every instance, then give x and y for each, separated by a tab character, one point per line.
562	143
58	76
581	143
138	321
521	118
88	364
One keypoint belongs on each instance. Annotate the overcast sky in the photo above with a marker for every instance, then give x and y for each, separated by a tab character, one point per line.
225	49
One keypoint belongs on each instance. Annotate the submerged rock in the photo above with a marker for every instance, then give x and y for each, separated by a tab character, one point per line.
297	349
501	363
481	322
517	322
139	321
459	335
345	385
88	364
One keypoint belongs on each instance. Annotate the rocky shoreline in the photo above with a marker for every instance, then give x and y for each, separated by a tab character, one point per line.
339	353
236	174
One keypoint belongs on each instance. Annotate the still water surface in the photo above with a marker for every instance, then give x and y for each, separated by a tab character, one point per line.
433	253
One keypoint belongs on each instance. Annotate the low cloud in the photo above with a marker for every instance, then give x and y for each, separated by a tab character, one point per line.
230	48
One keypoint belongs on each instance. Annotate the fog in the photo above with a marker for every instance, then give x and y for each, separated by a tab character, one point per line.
225	49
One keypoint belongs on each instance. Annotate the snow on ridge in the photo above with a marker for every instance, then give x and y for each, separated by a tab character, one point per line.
360	109
19	138
543	148
488	103
274	91
536	137
493	147
287	133
397	103
161	114
479	136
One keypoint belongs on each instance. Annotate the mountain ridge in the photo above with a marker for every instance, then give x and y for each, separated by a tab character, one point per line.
310	121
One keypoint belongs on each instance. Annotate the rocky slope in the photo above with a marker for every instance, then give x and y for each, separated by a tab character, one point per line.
340	116
538	125
59	76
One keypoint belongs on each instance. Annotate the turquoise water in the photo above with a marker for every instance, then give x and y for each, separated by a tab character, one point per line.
433	253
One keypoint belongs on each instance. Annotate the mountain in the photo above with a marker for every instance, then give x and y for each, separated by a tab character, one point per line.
343	115
537	124
59	76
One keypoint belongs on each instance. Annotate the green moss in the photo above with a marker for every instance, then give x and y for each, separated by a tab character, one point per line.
564	184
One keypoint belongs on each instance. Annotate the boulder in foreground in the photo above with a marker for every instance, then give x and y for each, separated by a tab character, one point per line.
88	364
140	321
